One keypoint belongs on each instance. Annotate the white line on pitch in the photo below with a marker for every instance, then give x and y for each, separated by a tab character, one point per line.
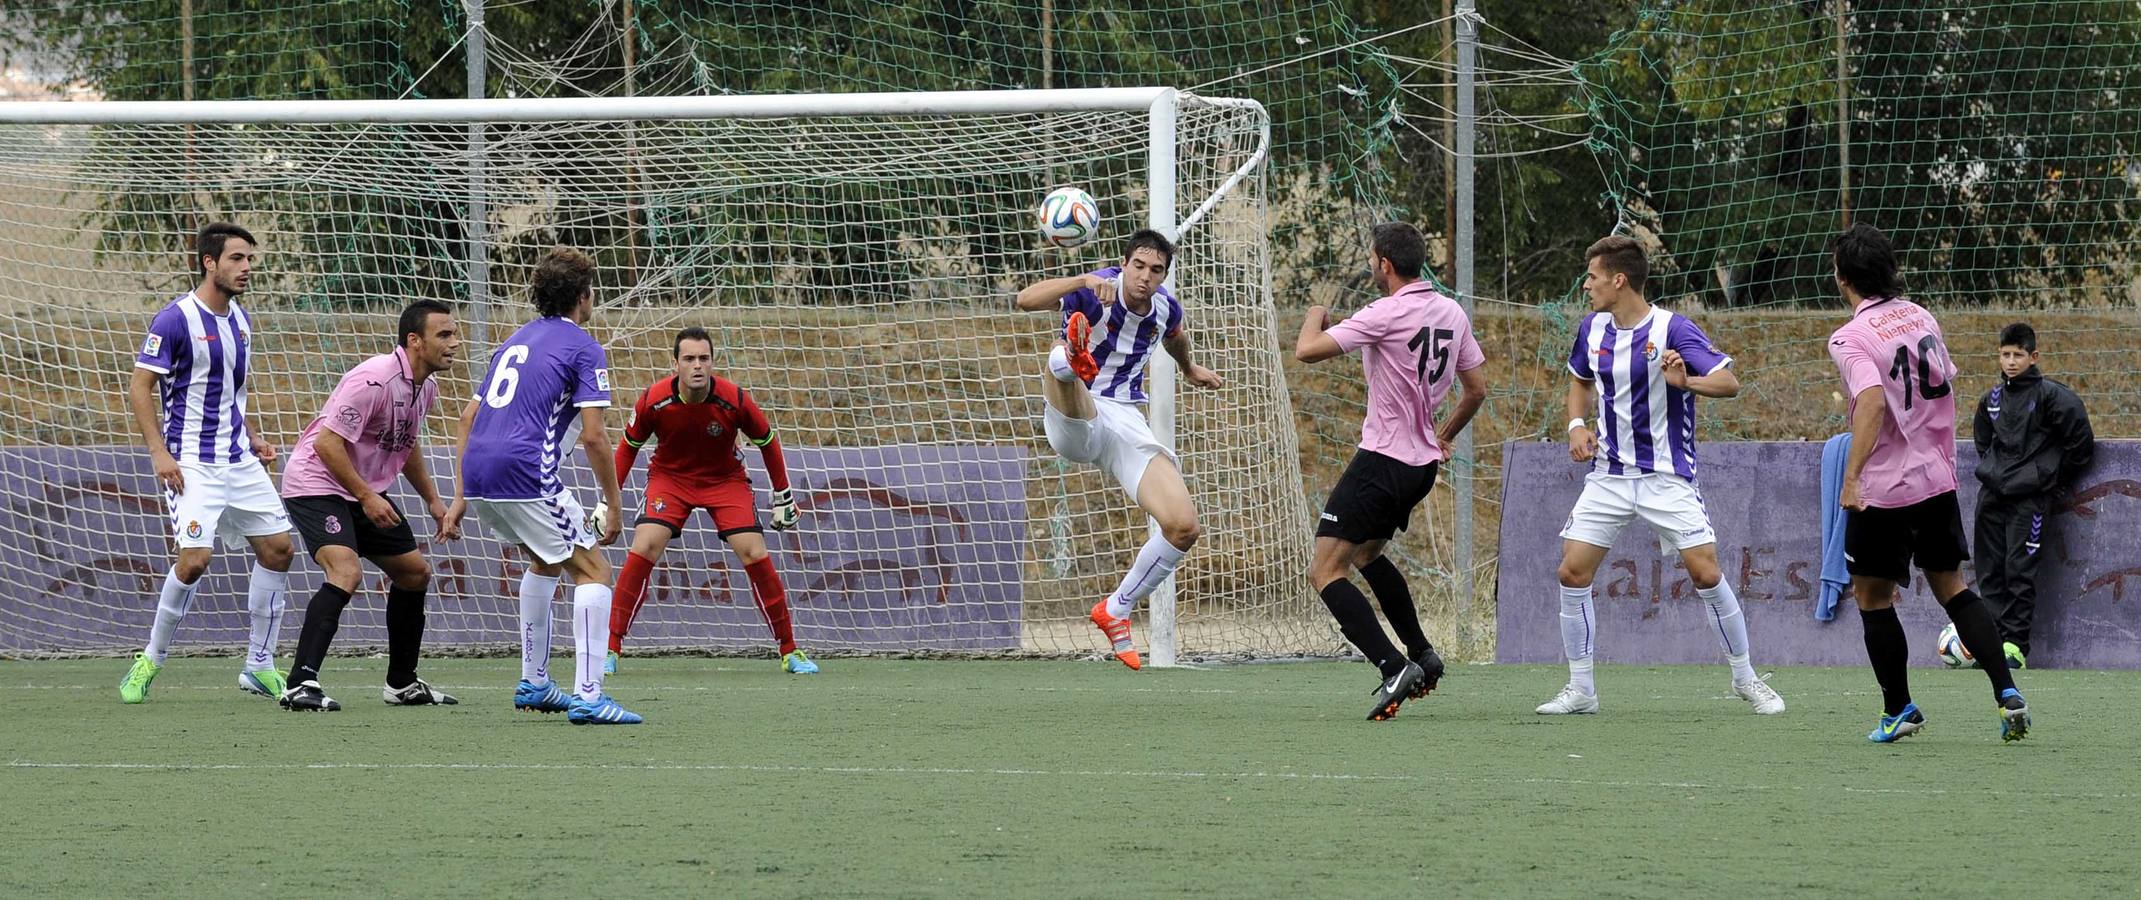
711	767
1039	773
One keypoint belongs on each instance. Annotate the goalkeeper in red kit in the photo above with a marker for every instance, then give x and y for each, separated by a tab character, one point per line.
694	418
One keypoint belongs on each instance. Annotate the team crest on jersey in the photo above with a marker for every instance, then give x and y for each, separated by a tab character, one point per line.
334	524
661	503
1650	351
153	345
193	529
714	428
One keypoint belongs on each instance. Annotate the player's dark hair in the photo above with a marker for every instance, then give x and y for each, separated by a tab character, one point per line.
208	244
562	276
1866	261
415	316
1148	239
689	333
2019	335
1619	254
1401	245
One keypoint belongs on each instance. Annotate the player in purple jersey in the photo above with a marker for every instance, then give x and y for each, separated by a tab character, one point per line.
546	389
1644	366
197	359
1899	481
1113	318
1414	344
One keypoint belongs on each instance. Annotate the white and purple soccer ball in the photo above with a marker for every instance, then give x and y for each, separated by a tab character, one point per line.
1069	217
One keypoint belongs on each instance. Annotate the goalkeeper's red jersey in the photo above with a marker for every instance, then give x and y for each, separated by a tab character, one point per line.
695	443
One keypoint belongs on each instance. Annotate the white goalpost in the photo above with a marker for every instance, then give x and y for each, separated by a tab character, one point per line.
854	256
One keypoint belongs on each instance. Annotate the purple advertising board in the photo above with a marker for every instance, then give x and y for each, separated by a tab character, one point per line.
1765	501
900	548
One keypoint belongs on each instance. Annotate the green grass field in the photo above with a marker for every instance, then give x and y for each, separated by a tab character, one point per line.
929	778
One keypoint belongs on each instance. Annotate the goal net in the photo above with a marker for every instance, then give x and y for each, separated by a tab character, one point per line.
854	257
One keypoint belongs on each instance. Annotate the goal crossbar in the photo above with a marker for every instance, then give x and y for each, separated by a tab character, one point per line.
567	109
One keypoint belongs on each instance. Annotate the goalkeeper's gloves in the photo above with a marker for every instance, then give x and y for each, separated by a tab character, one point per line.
784	516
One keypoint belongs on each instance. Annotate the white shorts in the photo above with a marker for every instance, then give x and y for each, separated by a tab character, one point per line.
230	502
1671	504
550	527
1117	439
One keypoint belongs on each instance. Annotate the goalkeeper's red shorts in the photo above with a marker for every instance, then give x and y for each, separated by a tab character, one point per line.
670	502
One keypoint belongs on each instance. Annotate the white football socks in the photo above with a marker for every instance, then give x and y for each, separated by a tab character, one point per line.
1731	628
171	606
590	638
1577	628
536	592
266	596
1059	366
1155	561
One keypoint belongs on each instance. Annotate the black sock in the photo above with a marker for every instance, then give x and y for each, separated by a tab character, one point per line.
1395	595
1350	607
1981	636
405	635
1889	651
322	616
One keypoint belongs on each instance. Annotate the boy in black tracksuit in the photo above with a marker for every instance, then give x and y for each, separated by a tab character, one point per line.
2033	441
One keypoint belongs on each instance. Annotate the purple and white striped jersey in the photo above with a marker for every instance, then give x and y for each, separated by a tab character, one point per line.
1644	424
1123	341
203	360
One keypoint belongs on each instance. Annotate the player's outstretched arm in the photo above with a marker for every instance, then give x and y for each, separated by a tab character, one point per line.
141	395
595	442
1046	295
1474	381
1315	344
1177	345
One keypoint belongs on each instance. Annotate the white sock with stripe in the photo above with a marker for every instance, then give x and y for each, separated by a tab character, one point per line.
590	637
171	607
1059	366
536	592
265	598
1577	624
1155	561
1731	625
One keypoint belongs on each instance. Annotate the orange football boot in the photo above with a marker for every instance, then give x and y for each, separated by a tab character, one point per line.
1118	634
1076	334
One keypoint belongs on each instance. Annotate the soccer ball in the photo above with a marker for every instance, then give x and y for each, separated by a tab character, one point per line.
1952	652
598	519
1069	217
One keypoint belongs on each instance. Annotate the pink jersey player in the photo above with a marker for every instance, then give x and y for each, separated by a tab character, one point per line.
1412	345
1896	345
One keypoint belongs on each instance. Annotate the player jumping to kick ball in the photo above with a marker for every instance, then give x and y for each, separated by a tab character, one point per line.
1112	317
